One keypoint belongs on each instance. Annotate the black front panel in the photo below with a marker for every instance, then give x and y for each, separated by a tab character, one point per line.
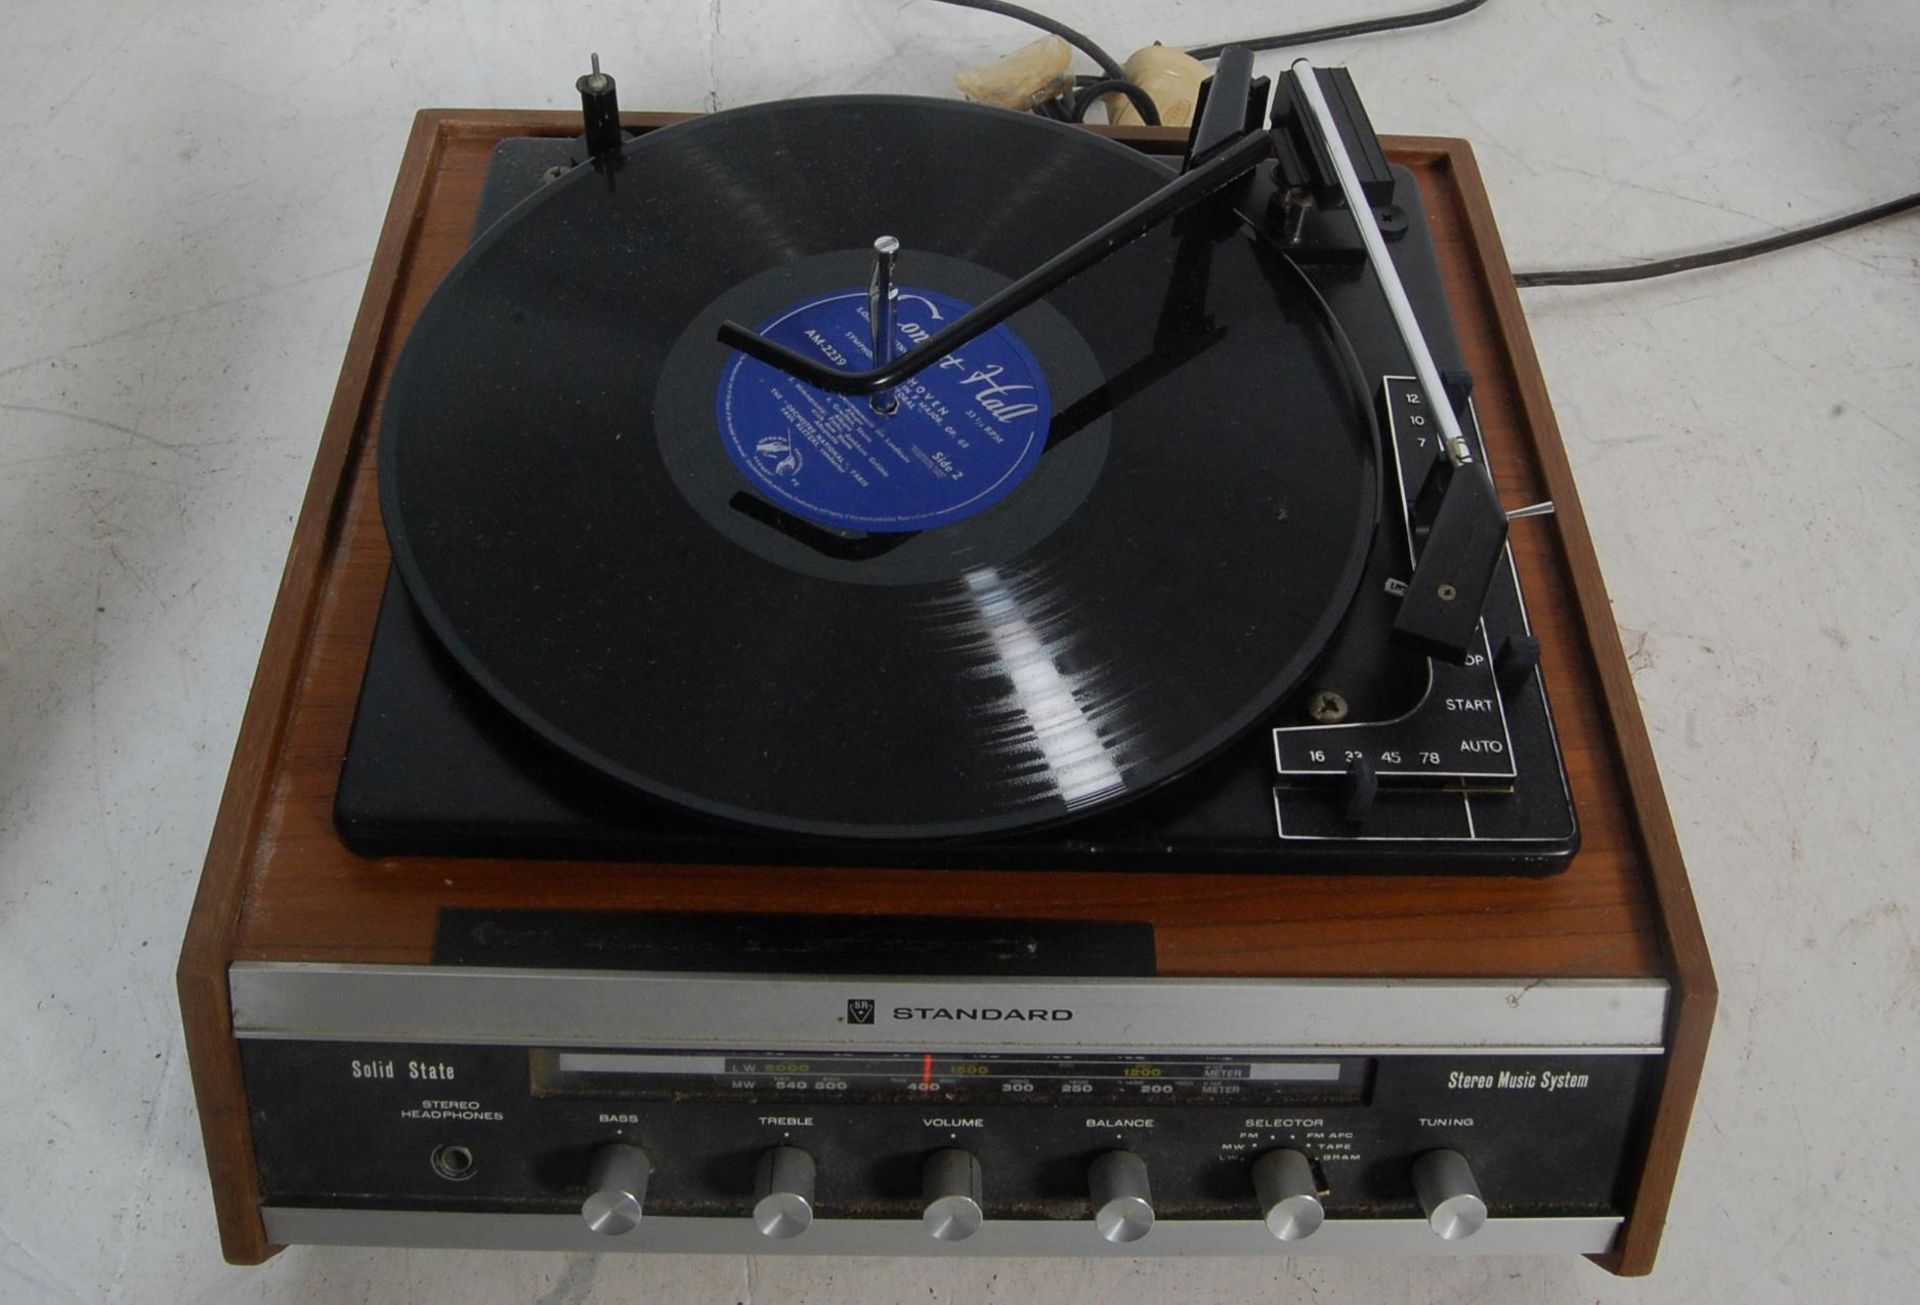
339	1124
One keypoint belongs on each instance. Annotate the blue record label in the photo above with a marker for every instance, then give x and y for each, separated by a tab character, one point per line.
968	430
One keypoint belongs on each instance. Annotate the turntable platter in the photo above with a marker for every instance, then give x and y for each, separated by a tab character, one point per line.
1088	550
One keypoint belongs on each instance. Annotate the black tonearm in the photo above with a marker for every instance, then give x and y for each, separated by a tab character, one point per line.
1228	141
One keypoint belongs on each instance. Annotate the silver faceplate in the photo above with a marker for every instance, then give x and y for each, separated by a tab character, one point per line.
1590	1235
559	1008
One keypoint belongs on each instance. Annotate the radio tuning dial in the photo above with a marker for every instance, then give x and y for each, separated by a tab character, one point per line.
1289	1198
1445	1184
617	1180
783	1205
1122	1197
950	1185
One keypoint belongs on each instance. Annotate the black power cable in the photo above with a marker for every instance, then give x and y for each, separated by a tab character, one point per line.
1075	106
1084	97
1033	18
1109	66
1335	31
1724	254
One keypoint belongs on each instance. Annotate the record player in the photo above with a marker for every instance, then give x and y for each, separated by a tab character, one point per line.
873	675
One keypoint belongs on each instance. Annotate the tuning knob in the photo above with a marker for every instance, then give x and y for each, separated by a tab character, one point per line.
1122	1197
618	1179
950	1186
1289	1198
1448	1193
784	1188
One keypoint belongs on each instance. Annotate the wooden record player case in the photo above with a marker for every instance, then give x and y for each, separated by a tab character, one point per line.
279	886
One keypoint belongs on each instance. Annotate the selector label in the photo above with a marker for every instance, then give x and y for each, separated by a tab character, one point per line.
1287	1121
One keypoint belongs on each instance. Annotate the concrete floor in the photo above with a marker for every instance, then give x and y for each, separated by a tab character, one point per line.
192	194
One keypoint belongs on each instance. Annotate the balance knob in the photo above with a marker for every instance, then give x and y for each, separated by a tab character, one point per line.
1289	1199
1451	1198
618	1179
1122	1199
950	1186
784	1188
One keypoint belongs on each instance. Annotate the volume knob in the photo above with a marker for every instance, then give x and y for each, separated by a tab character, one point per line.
950	1185
1289	1199
1445	1184
784	1186
1122	1197
618	1183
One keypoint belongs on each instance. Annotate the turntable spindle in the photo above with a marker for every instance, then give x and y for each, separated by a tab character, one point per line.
880	297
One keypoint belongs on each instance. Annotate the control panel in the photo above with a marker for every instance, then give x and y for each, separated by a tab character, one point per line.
943	1144
460	1105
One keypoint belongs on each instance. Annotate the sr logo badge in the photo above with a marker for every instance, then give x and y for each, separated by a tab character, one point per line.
859	1010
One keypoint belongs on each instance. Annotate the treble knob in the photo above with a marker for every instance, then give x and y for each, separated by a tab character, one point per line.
1122	1197
950	1186
618	1183
784	1188
1444	1182
1289	1199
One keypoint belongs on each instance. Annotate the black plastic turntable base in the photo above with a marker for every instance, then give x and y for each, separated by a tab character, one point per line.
1384	761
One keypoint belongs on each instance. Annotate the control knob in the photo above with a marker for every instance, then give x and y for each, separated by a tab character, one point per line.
617	1180
950	1186
1289	1198
1122	1198
783	1205
1448	1193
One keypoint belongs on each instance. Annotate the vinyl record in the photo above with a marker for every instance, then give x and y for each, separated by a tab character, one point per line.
1089	549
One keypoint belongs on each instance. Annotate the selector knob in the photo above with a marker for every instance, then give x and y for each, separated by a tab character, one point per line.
618	1179
1448	1193
1122	1197
950	1186
783	1205
1289	1198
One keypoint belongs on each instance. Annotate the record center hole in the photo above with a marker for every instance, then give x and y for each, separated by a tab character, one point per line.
453	1162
